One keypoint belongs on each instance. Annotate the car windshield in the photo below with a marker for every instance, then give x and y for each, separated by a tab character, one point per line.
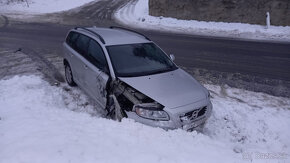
139	60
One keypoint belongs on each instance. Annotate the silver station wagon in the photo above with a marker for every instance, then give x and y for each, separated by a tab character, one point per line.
128	75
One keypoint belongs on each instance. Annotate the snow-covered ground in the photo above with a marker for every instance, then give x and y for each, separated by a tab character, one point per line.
136	14
39	6
41	123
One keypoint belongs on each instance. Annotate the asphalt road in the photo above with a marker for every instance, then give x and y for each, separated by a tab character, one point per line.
253	65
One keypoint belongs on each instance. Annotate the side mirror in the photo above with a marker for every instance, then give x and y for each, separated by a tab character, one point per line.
172	57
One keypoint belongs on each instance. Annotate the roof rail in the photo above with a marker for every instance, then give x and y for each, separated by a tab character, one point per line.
126	29
95	33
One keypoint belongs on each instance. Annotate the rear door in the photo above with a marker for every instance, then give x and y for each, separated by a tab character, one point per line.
79	64
97	73
71	53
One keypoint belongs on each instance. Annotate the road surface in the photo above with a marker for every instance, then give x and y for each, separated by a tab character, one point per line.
253	65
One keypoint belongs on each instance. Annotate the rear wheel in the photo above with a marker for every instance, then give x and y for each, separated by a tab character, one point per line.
68	75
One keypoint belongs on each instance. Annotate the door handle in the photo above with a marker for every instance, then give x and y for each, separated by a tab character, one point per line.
85	66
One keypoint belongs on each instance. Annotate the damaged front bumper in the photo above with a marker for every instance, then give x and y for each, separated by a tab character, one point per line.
189	117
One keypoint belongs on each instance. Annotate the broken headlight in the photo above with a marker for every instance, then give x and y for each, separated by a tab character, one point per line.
151	111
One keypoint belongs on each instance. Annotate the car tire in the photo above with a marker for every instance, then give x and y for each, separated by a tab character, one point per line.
118	114
115	111
68	75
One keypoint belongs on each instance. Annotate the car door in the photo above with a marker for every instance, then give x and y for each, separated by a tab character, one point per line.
71	53
79	61
97	73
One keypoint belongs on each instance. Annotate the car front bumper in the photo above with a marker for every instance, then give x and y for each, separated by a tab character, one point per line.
175	121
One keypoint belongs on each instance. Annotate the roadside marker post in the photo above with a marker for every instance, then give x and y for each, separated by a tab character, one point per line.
268	20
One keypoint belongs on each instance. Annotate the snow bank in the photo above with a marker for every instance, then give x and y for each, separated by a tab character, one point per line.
137	14
44	123
251	122
40	6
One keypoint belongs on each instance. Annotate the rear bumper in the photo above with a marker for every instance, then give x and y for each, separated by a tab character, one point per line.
175	122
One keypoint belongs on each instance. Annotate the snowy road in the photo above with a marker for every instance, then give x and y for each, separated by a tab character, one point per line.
257	66
44	120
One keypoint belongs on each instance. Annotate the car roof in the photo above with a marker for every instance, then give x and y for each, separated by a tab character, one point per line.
115	35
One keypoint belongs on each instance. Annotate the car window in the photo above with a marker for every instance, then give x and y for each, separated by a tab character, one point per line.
71	39
139	59
96	55
81	45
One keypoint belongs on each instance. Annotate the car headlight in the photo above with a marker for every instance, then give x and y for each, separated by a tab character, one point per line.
151	111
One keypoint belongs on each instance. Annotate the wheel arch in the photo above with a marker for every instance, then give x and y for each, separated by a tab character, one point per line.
65	62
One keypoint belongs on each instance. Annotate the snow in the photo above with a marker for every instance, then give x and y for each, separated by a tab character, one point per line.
136	14
40	6
45	123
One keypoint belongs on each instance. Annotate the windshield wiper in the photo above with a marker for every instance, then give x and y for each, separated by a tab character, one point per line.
171	68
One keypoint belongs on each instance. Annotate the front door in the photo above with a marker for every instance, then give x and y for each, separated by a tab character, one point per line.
96	75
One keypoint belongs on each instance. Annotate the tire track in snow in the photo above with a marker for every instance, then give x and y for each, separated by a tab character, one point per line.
15	63
45	66
5	20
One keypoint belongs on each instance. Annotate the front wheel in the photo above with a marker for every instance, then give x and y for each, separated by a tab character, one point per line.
115	111
68	75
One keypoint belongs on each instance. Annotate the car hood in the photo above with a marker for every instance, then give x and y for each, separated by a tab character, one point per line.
171	89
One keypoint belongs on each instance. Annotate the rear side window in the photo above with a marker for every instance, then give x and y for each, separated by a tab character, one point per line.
96	55
81	44
71	39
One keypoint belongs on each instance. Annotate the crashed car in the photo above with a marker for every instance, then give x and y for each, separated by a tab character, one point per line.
128	75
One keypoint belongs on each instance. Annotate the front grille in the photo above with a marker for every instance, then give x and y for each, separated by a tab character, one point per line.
192	115
201	112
